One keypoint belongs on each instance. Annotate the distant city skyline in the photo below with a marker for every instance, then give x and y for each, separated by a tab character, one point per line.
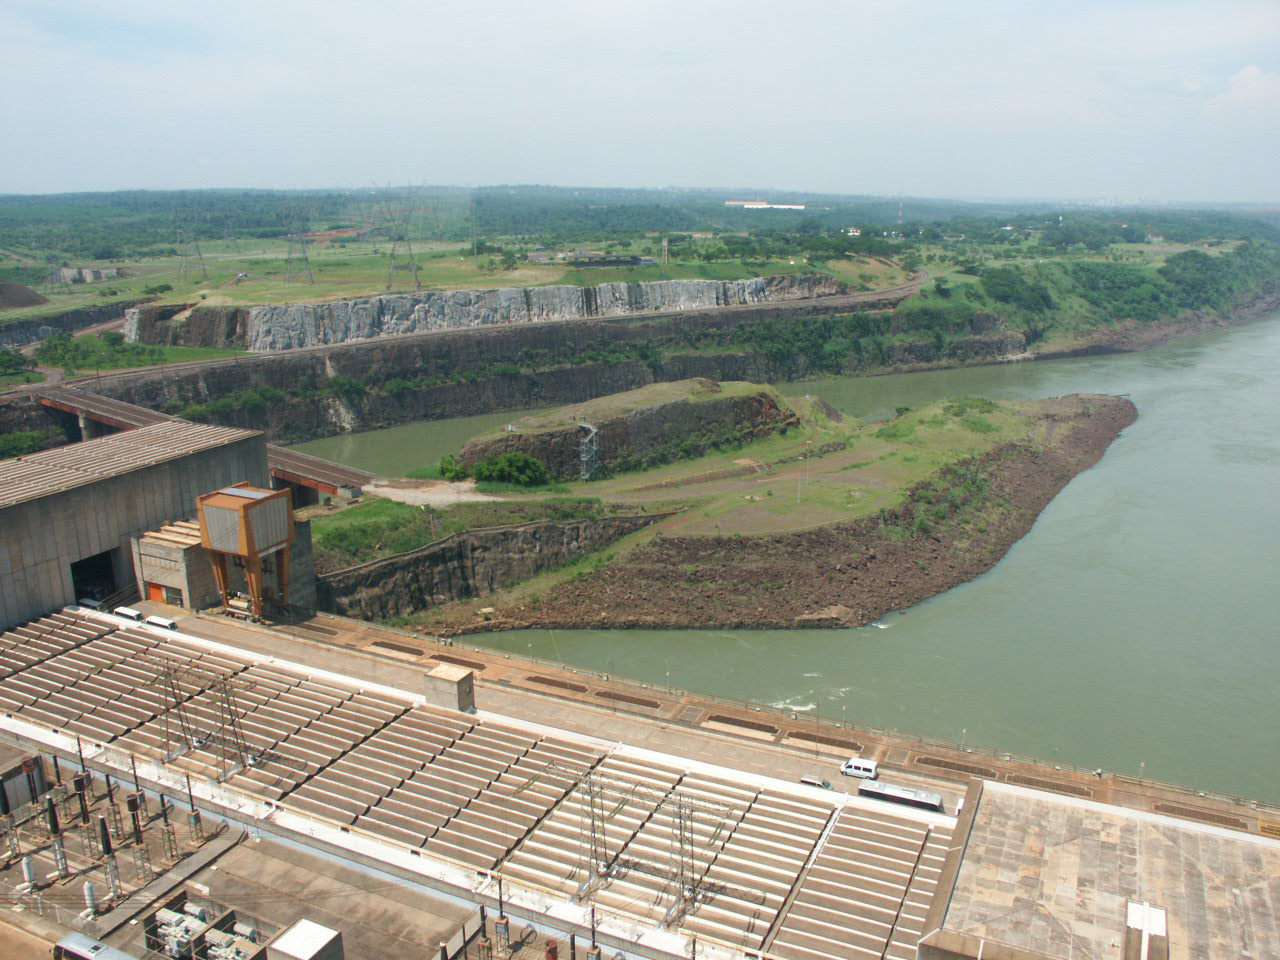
1149	100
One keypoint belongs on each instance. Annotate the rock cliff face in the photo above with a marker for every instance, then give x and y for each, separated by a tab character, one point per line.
20	333
465	565
643	430
285	326
550	377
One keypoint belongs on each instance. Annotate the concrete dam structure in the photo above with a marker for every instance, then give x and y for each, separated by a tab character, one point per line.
286	326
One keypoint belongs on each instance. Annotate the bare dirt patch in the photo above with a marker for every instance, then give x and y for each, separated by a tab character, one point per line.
17	295
431	493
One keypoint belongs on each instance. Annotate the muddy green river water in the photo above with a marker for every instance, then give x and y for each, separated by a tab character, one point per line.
1136	628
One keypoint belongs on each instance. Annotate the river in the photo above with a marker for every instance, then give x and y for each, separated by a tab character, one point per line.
1136	628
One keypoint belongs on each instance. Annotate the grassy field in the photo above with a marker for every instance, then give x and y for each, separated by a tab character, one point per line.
94	352
13	379
821	473
259	271
788	483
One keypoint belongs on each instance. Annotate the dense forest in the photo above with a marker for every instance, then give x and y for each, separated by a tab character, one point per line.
123	225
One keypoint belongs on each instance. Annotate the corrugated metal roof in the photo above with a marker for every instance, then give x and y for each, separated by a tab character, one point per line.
52	471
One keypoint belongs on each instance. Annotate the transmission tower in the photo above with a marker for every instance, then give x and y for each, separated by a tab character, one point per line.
298	266
603	796
190	259
397	218
229	235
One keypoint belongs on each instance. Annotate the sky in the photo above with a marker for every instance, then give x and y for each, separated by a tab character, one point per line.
1128	100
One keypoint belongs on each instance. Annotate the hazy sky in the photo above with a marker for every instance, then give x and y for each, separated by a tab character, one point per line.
1124	99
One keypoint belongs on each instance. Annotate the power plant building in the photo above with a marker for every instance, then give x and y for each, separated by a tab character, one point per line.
68	515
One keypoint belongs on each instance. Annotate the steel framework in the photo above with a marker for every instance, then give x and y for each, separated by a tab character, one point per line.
603	796
588	451
179	684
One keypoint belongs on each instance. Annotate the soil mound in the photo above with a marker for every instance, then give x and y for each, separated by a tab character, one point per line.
16	295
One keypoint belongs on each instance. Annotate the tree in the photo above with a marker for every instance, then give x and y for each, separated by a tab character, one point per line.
12	362
512	467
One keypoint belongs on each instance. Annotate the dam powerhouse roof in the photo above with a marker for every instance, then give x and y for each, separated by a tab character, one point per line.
663	849
1051	875
40	474
799	873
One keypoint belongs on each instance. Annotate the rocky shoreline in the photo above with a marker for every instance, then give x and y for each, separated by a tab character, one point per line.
847	574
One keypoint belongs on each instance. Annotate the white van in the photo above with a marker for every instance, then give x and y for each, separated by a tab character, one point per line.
857	767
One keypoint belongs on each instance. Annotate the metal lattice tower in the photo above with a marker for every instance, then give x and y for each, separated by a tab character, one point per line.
190	259
297	267
588	451
683	843
395	218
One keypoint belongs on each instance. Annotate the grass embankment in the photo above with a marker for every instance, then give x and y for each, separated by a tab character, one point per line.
108	351
378	528
827	472
24	376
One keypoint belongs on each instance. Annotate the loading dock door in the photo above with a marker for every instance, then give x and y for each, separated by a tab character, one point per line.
92	577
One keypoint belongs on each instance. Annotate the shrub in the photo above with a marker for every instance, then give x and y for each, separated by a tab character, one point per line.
512	467
451	469
965	406
348	388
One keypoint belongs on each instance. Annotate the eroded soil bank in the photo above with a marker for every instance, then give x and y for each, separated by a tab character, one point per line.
951	528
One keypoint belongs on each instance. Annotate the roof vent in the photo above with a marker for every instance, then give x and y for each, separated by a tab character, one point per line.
1146	933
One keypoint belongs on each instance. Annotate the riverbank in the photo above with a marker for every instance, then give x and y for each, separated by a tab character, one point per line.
951	528
1127	336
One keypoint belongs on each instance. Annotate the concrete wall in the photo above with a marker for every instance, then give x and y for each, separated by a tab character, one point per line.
184	568
40	539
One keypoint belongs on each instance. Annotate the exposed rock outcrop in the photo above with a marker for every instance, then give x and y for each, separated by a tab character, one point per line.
844	574
20	333
288	325
465	565
652	424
